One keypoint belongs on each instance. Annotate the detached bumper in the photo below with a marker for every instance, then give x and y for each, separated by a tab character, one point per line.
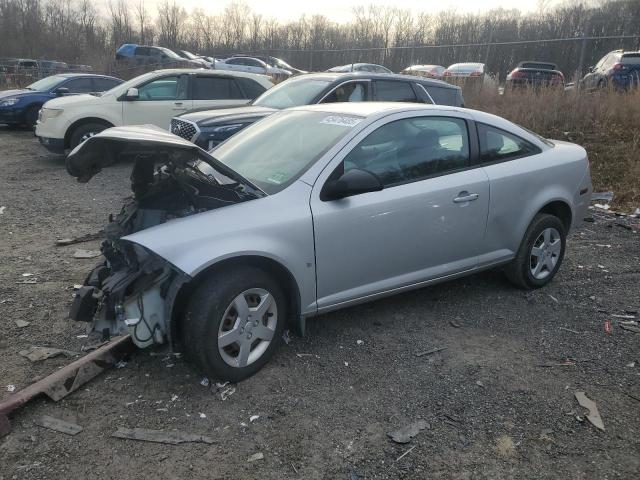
54	145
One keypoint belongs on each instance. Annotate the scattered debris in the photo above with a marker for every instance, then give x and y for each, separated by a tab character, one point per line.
602	206
253	418
346	364
630	328
602	245
27	274
606	196
569	330
406	433
430	352
553	298
505	446
159	436
2	209
359	342
83	238
593	416
174	398
630	364
204	382
480	384
202	415
607	327
286	338
121	364
624	317
11	388
255	456
58	425
226	393
405	453
86	253
454	324
37	354
22	323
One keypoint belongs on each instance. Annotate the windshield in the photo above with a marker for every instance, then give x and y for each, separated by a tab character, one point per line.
189	55
292	93
46	84
274	152
133	83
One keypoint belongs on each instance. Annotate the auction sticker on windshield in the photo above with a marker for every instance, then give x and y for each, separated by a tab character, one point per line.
341	120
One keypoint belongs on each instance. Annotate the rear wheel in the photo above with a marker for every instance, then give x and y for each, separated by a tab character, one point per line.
84	132
234	322
540	254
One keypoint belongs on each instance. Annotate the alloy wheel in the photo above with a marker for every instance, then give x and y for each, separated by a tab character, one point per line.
545	253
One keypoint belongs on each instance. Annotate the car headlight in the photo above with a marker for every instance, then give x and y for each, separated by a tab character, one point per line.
9	102
47	113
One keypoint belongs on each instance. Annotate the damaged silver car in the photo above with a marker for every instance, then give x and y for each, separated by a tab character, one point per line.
313	209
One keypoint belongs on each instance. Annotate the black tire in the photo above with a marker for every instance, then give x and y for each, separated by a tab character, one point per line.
519	270
83	131
31	116
204	314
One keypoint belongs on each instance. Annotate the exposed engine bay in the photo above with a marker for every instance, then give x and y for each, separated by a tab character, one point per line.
132	291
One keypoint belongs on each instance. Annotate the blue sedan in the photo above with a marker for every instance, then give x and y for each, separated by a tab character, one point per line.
21	107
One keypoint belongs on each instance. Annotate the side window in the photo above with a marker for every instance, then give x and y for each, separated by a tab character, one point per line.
79	85
215	88
497	145
348	92
104	84
164	88
235	61
141	52
394	91
412	149
252	89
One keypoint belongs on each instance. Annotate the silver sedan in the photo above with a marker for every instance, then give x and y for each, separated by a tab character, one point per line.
317	208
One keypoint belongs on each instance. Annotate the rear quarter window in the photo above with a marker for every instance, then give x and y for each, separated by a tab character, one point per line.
251	88
444	96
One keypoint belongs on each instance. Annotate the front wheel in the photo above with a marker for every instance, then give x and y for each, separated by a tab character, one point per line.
234	323
540	254
84	132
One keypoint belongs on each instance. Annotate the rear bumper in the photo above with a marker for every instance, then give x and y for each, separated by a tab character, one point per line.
54	145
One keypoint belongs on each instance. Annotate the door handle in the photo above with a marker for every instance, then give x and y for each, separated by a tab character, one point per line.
465	197
177	103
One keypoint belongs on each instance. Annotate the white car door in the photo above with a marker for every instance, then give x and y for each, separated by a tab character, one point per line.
428	222
158	101
210	90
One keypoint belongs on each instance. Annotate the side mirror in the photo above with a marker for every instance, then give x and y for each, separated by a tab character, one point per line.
61	91
353	182
132	94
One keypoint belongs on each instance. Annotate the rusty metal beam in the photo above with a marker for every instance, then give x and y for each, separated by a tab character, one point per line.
68	379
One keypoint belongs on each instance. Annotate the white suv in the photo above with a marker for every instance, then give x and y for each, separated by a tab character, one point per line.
152	98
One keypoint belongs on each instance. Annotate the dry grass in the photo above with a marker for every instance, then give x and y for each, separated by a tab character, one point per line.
606	123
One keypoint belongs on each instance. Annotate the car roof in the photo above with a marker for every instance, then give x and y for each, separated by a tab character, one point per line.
344	76
206	71
69	75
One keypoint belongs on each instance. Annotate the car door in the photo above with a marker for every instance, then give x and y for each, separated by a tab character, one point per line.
428	221
158	101
237	64
209	90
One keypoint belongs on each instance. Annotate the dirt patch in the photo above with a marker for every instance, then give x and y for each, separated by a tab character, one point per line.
326	402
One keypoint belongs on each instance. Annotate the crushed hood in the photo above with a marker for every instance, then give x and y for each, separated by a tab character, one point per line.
147	143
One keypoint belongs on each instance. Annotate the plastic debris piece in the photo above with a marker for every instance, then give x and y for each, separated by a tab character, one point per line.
58	425
602	206
255	456
359	342
37	354
454	324
204	382
227	392
253	418
159	436
405	453
11	388
2	209
86	253
607	327
202	415
22	323
286	338
593	416
606	196
430	352
121	364
553	298
406	433
174	398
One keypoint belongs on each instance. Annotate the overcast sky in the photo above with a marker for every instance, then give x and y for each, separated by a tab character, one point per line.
340	10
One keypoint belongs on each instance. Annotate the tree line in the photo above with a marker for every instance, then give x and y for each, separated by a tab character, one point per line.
74	31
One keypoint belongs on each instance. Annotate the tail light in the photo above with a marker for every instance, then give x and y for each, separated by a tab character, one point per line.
557	78
617	67
447	73
517	74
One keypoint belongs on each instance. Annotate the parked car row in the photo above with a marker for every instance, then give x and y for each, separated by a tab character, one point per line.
42	68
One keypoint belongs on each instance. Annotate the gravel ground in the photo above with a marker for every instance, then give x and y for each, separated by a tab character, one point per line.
499	400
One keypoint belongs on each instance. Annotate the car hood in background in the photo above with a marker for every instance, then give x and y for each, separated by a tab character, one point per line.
72	100
213	116
15	93
148	143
